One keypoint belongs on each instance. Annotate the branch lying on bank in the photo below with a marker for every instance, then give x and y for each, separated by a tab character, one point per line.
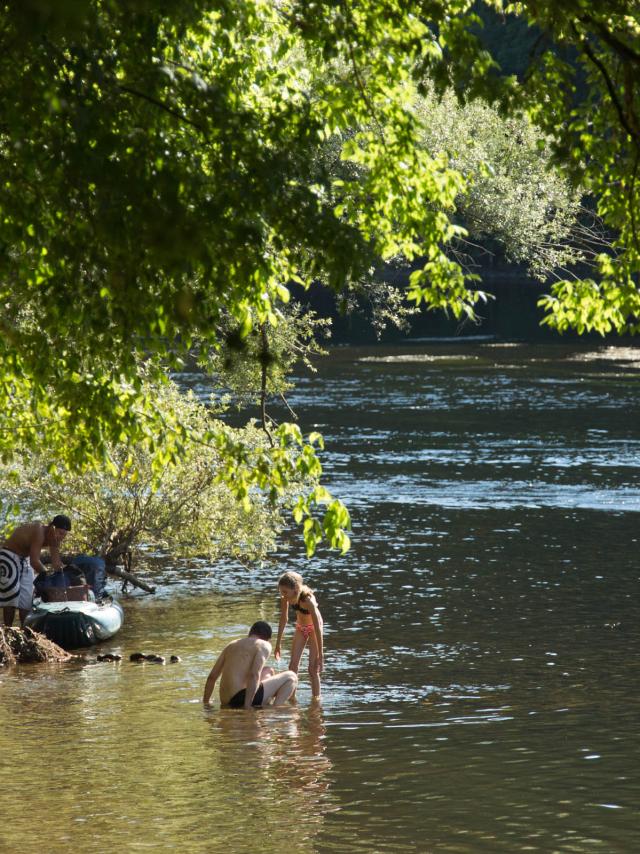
131	578
111	569
24	646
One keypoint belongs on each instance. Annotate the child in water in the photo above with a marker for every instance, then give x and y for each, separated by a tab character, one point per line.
295	594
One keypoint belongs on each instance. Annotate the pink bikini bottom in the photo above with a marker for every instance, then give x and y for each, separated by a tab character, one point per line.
305	630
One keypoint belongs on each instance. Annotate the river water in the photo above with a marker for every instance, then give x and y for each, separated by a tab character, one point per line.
481	685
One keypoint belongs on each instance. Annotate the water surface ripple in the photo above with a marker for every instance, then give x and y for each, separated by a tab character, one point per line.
482	646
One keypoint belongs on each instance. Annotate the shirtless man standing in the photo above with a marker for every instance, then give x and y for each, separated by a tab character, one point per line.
244	681
20	556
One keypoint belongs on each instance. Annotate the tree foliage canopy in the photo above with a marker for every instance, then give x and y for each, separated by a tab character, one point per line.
583	87
164	177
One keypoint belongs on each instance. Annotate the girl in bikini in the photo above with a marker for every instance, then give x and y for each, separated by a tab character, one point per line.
295	594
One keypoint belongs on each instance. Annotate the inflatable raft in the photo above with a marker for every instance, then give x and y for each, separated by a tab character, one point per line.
71	609
76	624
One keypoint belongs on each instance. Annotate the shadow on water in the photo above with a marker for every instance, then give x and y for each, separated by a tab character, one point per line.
482	646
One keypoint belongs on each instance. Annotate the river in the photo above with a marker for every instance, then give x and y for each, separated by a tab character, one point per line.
481	685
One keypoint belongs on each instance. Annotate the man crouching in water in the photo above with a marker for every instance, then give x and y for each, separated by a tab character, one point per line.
246	682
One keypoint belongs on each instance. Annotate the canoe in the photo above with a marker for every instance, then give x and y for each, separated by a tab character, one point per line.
76	624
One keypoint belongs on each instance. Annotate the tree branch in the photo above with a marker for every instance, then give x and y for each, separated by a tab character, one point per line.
263	382
586	47
286	403
621	48
356	72
172	112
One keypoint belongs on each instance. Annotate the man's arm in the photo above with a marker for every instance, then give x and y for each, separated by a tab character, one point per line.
36	547
253	678
56	560
213	677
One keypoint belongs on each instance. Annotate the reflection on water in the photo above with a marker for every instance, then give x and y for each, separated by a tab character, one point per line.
482	644
125	757
278	757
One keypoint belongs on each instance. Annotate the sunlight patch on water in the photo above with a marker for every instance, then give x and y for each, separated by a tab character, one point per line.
628	357
485	494
416	358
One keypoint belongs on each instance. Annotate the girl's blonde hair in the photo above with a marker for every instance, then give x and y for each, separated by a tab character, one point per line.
293	580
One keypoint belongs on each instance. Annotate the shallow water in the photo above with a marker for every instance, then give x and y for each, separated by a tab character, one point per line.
482	644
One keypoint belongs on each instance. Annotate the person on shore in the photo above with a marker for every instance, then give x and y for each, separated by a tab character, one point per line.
20	556
309	626
244	679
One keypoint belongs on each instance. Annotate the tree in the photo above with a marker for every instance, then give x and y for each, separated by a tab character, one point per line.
516	196
515	201
598	138
196	507
144	207
163	180
581	87
158	176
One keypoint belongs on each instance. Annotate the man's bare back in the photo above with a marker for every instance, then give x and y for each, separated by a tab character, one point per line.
24	537
243	679
240	655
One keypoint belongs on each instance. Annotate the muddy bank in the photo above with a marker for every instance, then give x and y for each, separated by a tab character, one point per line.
24	646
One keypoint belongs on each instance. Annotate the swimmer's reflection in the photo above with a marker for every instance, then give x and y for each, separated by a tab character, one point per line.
282	752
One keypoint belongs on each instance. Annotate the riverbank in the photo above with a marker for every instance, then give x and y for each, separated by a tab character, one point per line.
24	646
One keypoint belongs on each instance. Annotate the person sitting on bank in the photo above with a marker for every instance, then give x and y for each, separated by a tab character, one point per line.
244	679
20	556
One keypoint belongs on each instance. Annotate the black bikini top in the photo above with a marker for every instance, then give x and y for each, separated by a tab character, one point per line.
297	607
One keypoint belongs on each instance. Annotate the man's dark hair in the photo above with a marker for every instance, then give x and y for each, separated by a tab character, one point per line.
261	629
62	522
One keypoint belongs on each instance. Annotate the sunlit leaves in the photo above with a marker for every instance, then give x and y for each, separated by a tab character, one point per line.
217	491
279	470
168	172
165	186
585	92
609	305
